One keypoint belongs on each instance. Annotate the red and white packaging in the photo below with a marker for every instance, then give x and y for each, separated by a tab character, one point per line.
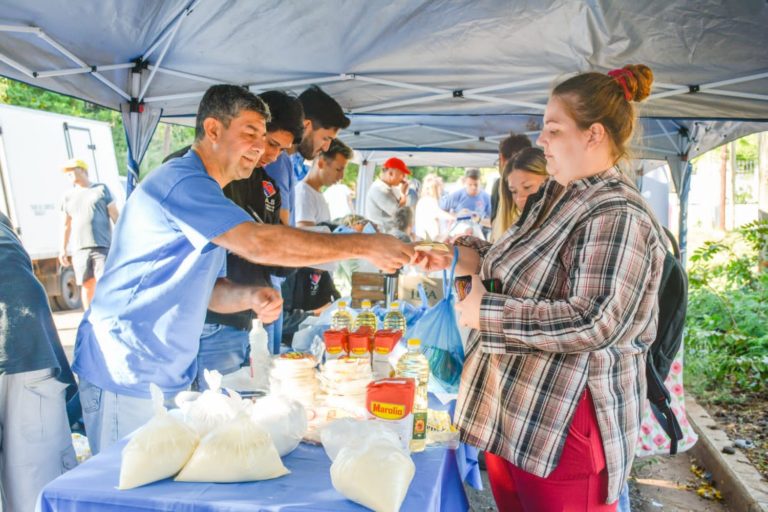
360	343
384	344
390	401
336	343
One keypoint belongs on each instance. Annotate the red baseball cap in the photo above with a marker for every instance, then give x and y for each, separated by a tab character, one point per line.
396	163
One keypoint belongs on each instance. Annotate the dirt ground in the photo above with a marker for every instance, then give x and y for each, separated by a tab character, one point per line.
746	420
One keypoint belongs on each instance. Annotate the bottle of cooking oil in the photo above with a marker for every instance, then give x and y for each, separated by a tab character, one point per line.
341	318
413	364
366	317
394	318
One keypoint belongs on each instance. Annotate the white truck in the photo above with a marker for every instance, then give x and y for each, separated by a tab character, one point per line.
33	146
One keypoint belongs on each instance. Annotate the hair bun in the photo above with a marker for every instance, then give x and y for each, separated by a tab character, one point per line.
640	81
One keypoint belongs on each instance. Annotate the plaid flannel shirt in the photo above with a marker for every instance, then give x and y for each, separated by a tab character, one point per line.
579	308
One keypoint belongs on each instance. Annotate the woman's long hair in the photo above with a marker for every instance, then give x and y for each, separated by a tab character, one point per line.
529	160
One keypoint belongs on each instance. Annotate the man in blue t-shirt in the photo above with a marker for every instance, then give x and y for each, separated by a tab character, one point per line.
166	267
470	200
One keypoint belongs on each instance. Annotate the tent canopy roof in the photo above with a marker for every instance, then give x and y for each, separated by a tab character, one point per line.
413	74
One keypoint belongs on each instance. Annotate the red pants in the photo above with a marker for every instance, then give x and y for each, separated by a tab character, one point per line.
579	483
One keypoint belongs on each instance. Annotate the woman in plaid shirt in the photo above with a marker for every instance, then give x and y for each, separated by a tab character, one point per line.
554	378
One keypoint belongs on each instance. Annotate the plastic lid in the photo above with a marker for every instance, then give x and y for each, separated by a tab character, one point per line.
394	305
366	303
414	342
342	304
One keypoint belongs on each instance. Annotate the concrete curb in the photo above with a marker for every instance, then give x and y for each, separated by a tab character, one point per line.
741	484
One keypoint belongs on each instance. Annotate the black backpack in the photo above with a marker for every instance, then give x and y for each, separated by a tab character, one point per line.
673	303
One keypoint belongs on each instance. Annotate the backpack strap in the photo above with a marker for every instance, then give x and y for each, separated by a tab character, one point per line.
659	398
672	242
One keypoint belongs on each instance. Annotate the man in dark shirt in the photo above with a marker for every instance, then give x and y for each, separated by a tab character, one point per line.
35	440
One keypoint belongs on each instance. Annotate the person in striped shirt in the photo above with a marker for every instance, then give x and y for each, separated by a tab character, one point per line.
554	378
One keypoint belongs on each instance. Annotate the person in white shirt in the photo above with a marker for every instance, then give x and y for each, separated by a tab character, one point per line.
431	221
327	169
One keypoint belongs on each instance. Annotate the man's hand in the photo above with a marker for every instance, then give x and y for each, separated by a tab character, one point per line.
267	303
63	259
431	260
404	187
387	252
468	310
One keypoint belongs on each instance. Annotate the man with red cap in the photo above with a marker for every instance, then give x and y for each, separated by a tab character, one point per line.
387	194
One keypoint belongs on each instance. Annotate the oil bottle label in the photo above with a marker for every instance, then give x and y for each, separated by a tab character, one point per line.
419	426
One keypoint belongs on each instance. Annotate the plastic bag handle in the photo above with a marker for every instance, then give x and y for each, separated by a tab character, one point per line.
423	295
448	281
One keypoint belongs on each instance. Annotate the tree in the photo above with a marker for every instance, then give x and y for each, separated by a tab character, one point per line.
762	194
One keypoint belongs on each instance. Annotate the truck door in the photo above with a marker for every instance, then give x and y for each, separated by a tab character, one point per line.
80	145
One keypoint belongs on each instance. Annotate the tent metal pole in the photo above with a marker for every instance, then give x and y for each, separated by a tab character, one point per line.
388	129
735	94
448	142
82	70
449	132
255	88
683	221
389	139
402	103
663	151
77	60
167	97
133	137
17	66
504	101
165	33
510	85
343	77
167	46
731	81
181	74
709	87
401	85
664	129
20	29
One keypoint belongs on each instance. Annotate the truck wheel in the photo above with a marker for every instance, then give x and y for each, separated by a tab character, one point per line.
70	292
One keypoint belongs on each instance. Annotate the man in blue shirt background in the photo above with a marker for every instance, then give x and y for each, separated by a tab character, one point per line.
469	200
166	267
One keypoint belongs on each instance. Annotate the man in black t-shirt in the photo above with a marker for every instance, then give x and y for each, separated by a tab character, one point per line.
307	292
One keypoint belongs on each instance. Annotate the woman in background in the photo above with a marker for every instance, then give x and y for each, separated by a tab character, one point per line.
522	177
431	221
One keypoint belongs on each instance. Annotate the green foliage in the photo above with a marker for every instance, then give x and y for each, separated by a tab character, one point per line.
726	340
746	148
166	139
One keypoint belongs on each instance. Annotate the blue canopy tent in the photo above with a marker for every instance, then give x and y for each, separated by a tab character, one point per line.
415	75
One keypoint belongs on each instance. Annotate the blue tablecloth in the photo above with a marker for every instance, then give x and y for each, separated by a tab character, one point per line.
92	487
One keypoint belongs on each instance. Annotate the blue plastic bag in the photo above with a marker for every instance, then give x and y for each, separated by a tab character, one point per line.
441	340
